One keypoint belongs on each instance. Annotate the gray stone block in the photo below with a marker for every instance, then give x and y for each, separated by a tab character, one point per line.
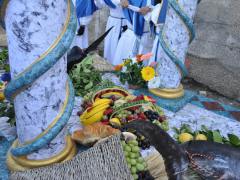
215	52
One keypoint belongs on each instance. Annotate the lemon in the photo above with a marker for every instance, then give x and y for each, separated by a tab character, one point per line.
184	137
201	137
115	121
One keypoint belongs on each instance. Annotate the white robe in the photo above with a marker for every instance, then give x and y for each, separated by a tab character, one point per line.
130	45
117	21
82	41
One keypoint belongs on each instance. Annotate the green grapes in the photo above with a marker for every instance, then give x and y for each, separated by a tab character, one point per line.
133	157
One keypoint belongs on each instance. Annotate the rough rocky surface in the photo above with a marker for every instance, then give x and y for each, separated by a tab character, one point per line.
215	53
3	39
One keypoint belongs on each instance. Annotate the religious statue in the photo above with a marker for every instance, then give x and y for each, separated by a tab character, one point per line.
171	46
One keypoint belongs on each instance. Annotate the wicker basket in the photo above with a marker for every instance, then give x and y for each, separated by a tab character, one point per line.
105	161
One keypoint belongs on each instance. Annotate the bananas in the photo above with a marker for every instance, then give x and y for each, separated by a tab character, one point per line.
96	112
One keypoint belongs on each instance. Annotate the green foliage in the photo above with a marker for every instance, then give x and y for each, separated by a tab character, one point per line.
3	60
85	77
7	110
212	135
131	73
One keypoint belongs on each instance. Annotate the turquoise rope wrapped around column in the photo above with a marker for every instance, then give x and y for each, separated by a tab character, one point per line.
27	77
189	25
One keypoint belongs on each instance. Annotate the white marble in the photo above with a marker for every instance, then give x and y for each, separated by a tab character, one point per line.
74	123
113	78
32	27
196	117
177	37
6	130
168	114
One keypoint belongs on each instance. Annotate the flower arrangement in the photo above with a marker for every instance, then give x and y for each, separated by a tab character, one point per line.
134	72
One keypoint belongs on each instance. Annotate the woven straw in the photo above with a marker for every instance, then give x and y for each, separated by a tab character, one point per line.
156	166
101	64
104	161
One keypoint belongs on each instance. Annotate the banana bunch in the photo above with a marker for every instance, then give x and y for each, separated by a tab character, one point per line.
96	112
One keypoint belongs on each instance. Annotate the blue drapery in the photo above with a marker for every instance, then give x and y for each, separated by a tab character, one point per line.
85	8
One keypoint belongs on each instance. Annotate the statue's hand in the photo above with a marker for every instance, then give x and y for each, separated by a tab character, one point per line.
145	10
124	3
81	30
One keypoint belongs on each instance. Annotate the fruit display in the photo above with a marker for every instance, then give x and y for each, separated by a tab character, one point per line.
136	163
115	106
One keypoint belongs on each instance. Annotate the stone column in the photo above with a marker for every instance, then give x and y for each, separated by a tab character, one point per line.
39	32
174	40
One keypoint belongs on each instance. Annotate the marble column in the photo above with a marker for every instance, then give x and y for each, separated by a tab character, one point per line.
175	36
32	27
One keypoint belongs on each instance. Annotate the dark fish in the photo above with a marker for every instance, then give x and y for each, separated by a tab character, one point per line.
175	157
76	54
214	160
193	160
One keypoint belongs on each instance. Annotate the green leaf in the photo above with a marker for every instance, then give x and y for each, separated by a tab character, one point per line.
217	137
204	128
88	86
186	129
234	140
86	70
176	130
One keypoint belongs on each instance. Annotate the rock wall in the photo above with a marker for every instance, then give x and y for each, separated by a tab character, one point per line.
98	25
215	53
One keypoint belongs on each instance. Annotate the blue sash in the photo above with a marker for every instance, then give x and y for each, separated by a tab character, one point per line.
135	18
163	12
85	8
110	4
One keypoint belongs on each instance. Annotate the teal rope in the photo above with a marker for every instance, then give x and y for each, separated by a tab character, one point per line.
28	77
190	26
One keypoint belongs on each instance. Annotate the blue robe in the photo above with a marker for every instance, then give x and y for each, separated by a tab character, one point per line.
163	12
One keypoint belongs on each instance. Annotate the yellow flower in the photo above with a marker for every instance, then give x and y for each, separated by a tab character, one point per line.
147	73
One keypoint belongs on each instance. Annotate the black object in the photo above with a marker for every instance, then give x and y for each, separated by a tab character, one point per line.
76	54
201	159
124	28
81	31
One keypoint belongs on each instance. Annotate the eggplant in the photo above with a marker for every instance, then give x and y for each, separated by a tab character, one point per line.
198	159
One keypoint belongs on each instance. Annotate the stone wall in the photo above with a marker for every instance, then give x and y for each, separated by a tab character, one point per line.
215	53
98	25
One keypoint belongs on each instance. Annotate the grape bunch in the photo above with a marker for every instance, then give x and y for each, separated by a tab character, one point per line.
151	115
143	142
123	115
133	157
